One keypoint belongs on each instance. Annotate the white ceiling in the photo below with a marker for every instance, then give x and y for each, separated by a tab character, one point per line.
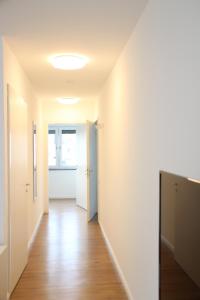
36	29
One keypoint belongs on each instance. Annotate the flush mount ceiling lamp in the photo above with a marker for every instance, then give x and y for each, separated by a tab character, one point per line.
68	101
69	61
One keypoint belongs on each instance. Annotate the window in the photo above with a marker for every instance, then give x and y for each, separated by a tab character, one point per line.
62	153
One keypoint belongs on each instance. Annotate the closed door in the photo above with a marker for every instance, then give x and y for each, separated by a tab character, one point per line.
17	126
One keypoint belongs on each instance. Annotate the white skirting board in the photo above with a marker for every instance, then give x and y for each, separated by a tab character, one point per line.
116	263
31	240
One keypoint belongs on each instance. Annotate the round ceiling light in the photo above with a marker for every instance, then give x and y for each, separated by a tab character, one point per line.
68	100
69	61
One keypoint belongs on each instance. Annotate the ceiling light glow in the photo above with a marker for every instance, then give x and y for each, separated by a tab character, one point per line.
69	61
68	101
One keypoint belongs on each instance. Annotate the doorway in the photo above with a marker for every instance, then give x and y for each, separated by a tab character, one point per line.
72	165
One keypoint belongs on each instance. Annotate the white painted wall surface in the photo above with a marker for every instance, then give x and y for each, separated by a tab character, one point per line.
149	108
62	184
2	188
79	113
3	202
3	272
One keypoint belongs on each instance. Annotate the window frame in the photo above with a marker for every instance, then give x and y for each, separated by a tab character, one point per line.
58	141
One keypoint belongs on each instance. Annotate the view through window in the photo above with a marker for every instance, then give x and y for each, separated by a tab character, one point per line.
62	152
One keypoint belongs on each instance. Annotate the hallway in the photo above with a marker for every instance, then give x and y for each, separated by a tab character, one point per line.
69	260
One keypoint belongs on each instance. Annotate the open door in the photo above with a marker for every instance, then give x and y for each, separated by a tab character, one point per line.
81	178
91	170
18	187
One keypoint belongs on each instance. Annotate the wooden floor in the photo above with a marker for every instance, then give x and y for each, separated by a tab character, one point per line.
69	260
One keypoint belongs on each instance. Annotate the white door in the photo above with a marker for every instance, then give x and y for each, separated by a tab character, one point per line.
81	178
17	140
91	170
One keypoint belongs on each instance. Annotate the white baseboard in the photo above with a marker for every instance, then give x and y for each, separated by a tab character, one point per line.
167	243
117	265
31	240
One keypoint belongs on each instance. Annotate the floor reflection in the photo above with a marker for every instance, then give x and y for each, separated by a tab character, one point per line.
175	283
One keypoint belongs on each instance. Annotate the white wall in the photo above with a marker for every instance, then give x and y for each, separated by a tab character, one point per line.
149	108
2	206
14	75
3	273
62	184
3	202
56	113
